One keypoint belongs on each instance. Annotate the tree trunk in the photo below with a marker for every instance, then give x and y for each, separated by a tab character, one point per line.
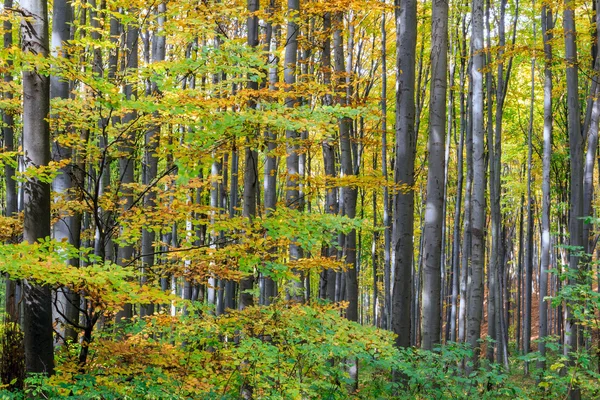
269	289
37	327
547	26
151	158
328	276
465	127
292	160
576	171
68	227
349	193
251	161
475	307
404	167
387	229
432	278
127	161
8	122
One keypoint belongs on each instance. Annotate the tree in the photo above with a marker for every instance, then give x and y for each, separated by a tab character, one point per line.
292	182
576	171
478	201
37	325
68	227
432	259
403	220
251	159
547	25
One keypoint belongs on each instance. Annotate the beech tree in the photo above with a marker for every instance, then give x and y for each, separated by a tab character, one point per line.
432	259
37	317
406	15
201	194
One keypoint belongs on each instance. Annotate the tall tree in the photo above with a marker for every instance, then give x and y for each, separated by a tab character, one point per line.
387	233
529	233
292	160
432	258
404	169
13	288
68	227
127	147
37	326
269	289
349	192
251	157
547	26
576	170
328	148
151	140
475	307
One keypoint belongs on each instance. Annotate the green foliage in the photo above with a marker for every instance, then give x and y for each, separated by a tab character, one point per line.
284	351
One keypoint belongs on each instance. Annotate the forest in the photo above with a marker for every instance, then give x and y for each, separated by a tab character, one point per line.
300	199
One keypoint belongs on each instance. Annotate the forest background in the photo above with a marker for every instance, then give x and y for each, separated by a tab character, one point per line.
301	199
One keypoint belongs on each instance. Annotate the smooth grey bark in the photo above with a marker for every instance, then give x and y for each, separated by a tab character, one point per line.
217	187
529	229
466	240
328	276
547	26
349	193
590	129
8	122
104	221
475	306
387	229
187	291
127	148
495	164
269	288
13	288
292	193
432	274
68	227
576	170
37	323
492	282
456	275
251	159
150	165
520	277
216	190
404	167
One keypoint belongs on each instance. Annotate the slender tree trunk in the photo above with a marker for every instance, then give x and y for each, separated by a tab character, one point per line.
529	232
547	26
494	213
590	128
466	244
328	149
37	327
576	170
475	307
269	290
403	223
127	161
251	160
349	193
387	229
456	240
68	226
292	160
432	279
151	158
13	288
